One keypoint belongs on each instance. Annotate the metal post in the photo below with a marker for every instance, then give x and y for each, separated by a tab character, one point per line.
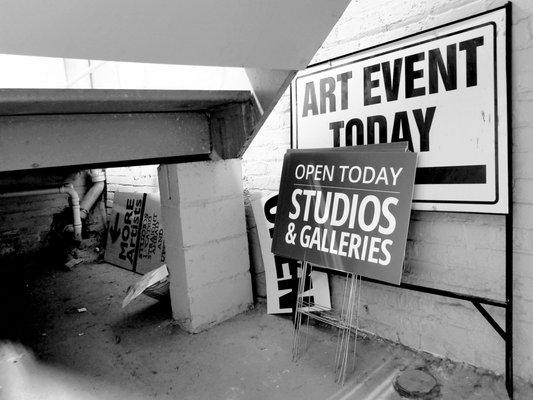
509	301
509	216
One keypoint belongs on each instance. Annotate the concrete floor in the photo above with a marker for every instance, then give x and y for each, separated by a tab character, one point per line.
137	353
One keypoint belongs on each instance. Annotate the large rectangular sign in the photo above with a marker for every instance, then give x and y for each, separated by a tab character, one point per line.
346	210
444	91
281	274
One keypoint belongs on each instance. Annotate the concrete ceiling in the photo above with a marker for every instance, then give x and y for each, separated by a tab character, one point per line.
271	39
267	34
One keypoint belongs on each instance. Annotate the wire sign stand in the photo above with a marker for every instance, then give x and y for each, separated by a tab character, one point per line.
342	319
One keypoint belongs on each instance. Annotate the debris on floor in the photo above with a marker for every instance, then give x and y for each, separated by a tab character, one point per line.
72	263
108	349
75	310
154	284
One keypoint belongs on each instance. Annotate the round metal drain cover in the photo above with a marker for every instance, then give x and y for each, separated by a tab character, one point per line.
414	383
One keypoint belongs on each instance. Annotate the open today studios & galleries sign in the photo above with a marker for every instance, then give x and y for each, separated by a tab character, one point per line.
346	210
443	90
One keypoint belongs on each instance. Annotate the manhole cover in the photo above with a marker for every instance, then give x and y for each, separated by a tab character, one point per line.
414	383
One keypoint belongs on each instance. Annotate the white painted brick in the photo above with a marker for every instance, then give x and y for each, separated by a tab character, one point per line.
523	213
523	336
138	179
256	168
522	162
522	273
523	139
523	240
523	191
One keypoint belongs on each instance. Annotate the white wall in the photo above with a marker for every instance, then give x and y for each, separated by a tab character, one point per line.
459	252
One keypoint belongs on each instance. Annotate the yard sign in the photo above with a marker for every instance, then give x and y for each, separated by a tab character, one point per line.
346	210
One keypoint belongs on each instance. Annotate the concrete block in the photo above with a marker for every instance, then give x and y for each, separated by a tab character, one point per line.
206	242
206	222
218	301
205	181
213	261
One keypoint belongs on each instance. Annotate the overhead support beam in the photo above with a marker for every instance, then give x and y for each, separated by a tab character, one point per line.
105	128
46	141
267	88
98	101
231	128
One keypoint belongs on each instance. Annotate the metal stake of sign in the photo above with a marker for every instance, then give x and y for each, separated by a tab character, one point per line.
343	320
345	331
298	312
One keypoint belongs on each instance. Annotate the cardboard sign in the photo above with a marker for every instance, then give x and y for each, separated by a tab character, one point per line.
444	91
346	210
151	242
135	236
281	274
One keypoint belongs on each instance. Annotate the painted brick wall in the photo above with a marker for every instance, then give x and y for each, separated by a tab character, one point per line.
460	252
26	222
130	179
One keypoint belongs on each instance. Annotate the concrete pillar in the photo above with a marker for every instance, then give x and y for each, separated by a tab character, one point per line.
206	243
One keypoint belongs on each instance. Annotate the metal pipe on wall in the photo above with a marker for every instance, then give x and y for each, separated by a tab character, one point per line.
98	179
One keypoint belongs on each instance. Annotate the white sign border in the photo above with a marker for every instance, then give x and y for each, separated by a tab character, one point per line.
500	19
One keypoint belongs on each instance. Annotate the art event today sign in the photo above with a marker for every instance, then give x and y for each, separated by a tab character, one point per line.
346	210
443	90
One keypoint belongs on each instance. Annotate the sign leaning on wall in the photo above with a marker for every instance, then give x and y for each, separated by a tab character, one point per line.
281	274
346	210
135	236
444	91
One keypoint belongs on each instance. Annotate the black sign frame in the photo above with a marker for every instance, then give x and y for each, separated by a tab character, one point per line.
477	301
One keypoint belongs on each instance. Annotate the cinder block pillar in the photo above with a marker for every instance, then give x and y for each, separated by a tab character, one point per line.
206	243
